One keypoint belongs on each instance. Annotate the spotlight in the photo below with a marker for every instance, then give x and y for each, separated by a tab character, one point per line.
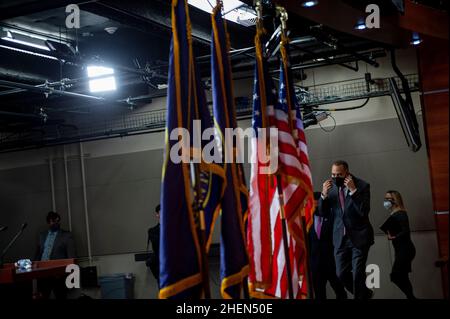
314	118
309	4
107	83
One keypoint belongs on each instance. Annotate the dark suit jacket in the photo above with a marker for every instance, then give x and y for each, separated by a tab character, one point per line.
153	237
321	250
153	260
355	216
63	247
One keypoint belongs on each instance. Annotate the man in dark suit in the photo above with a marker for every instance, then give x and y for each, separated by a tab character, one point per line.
323	266
55	243
153	237
347	200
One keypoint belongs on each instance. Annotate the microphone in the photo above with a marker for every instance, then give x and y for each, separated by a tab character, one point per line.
24	225
3	228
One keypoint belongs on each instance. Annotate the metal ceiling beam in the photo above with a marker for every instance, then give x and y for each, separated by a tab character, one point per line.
20	115
333	42
21	76
346	59
48	90
326	59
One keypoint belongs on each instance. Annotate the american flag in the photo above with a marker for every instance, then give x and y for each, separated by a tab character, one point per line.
268	274
296	186
263	199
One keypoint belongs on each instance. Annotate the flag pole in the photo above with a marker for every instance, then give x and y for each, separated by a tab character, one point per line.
282	212
285	238
201	227
283	19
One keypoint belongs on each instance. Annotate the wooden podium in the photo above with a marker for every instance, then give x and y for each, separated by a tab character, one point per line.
9	277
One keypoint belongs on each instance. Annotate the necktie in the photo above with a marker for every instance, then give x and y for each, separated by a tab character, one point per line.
48	245
342	198
318	225
342	201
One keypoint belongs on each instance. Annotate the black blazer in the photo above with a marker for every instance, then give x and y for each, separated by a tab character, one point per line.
355	216
326	232
63	247
153	237
321	249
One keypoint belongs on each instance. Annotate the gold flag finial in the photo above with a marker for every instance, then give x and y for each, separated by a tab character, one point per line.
281	11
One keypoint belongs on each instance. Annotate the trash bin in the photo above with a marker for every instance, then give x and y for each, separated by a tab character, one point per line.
117	286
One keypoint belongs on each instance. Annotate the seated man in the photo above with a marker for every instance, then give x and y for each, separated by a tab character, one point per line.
54	243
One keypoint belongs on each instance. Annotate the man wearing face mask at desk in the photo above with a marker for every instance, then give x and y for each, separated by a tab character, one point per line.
346	199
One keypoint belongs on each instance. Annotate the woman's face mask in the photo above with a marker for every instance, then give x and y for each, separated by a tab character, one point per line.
388	204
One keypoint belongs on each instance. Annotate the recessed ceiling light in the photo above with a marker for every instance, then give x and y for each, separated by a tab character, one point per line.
416	40
361	25
111	30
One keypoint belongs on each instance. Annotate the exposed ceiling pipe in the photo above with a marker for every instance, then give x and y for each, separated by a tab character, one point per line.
332	42
328	60
50	90
20	75
21	115
61	83
340	60
343	59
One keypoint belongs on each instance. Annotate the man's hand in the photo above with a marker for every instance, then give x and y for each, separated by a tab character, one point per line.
390	237
326	187
350	184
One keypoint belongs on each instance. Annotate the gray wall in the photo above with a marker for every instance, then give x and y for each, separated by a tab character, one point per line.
123	189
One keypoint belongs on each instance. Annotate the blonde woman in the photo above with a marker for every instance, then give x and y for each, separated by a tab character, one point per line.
401	240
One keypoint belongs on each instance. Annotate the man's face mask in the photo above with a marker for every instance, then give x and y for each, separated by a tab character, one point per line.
338	181
54	227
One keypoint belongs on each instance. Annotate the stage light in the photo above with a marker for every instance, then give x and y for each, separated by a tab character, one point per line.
104	84
309	4
314	118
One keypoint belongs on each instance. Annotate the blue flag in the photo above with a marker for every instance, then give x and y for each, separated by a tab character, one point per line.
182	197
233	257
